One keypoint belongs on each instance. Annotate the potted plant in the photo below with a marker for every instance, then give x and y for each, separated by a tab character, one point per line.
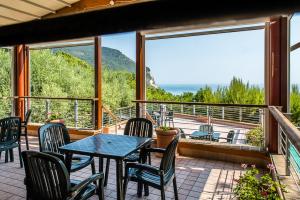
165	135
55	118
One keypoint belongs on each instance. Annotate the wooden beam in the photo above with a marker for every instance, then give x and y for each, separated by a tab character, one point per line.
277	75
87	5
140	71
98	83
140	16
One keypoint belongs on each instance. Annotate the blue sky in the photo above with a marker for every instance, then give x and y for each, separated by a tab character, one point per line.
210	59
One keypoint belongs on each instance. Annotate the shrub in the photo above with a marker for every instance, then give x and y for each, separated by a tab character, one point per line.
255	136
256	186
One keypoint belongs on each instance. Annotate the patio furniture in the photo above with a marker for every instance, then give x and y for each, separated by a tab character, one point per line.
10	131
139	127
169	117
157	177
230	136
54	135
24	127
110	146
47	178
206	132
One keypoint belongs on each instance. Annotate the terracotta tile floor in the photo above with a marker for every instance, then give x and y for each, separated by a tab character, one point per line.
196	179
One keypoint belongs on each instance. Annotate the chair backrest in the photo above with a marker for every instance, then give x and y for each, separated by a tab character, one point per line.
52	136
28	113
206	128
230	136
47	177
10	130
140	127
168	160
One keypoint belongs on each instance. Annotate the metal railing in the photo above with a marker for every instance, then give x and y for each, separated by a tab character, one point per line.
289	144
246	121
76	112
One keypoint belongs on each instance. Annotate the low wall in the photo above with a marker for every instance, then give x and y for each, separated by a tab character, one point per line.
75	134
223	152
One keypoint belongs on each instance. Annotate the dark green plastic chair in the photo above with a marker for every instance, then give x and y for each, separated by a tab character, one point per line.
47	178
10	131
139	127
54	135
157	177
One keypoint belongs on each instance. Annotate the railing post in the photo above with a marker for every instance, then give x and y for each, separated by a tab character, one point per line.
130	112
194	109
76	113
223	113
93	115
47	107
181	106
287	157
241	114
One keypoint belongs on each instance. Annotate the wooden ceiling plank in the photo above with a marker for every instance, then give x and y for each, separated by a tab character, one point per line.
64	3
20	11
10	18
39	6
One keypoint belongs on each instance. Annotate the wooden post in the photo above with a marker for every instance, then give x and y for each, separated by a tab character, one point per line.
21	78
276	74
98	82
140	71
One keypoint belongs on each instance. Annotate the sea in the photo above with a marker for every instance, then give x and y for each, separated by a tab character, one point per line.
178	89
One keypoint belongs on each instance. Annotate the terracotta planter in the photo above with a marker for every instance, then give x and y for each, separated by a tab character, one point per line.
62	121
165	137
106	129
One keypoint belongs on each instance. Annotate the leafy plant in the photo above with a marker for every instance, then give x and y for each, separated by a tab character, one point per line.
165	128
256	186
255	136
53	116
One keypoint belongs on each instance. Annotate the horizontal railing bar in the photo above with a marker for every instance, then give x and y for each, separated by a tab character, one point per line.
287	126
57	98
204	104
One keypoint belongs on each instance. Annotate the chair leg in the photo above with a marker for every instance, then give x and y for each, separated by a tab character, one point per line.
139	189
6	156
93	167
20	156
149	159
175	188
11	155
101	189
26	139
146	188
162	192
106	171
125	184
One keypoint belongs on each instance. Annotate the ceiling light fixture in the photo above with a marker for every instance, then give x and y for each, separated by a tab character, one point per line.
112	2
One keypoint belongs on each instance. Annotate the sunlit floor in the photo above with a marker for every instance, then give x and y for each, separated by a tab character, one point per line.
196	179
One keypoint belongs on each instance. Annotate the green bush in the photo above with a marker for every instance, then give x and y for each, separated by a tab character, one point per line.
255	136
254	185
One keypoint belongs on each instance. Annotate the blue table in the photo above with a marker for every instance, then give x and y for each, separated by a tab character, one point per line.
205	135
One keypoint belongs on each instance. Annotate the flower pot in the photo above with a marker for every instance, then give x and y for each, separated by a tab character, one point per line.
106	129
62	121
165	137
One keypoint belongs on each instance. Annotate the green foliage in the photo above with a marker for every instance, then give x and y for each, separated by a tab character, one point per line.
295	105
255	137
254	186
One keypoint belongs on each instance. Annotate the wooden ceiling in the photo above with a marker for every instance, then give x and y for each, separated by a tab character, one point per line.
18	11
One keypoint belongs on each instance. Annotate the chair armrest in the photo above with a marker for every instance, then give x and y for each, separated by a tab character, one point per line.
57	155
149	168
78	189
155	150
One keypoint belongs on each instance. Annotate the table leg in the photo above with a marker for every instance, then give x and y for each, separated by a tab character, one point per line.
119	169
68	161
100	164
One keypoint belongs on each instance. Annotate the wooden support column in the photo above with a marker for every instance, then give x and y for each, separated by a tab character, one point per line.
21	78
98	82
140	71
277	74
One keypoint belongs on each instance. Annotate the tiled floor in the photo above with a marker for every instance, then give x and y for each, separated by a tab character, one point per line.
196	179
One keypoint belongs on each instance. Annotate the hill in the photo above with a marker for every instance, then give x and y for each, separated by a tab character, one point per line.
111	58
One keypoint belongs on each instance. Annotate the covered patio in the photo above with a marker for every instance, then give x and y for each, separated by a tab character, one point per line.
205	169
